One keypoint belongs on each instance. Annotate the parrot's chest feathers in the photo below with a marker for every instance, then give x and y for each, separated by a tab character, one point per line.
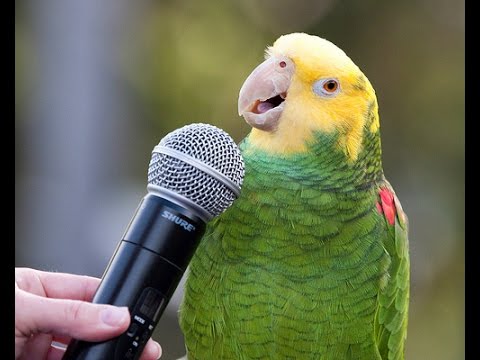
288	267
296	258
303	220
293	225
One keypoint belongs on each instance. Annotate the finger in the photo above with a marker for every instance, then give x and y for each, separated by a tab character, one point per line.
62	339
78	319
56	285
152	351
36	347
55	353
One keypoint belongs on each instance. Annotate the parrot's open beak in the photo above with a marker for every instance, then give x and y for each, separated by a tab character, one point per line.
262	97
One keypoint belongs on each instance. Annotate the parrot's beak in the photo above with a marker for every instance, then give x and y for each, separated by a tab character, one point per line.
263	94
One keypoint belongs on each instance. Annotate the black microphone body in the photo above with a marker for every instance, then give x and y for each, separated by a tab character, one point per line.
195	174
143	274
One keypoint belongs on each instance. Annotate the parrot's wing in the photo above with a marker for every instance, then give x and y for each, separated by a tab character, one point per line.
392	308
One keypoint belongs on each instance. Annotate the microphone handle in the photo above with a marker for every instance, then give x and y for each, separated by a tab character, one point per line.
143	274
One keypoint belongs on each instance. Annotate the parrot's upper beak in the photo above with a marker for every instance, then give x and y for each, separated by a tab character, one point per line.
262	96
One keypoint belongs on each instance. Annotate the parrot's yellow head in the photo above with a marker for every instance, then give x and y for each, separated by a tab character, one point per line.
305	85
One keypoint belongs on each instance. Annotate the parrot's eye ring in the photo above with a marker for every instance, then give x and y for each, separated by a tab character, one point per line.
326	87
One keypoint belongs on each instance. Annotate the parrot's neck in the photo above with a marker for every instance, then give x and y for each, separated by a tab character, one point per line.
322	166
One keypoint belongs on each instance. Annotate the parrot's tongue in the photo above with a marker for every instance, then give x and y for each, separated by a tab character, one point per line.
263	106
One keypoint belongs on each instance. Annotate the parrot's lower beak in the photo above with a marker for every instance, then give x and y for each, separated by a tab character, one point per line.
263	94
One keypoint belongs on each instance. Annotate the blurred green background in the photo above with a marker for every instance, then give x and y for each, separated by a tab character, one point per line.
98	84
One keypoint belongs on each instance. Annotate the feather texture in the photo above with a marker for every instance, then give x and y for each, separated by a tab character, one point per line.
303	266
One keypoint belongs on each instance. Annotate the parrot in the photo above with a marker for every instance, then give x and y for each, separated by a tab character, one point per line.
312	259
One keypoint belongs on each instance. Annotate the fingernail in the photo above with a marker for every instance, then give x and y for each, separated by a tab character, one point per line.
114	316
159	349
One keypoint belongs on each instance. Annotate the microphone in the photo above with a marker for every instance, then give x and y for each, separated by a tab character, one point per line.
195	173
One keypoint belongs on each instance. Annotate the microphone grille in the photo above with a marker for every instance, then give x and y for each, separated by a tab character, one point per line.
182	163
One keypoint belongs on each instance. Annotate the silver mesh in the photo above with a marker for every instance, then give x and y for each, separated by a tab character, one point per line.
211	146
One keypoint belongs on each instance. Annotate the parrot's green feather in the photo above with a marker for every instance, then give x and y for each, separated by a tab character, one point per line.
391	319
303	265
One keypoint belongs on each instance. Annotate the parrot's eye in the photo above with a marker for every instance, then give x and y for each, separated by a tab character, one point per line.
326	87
282	64
330	86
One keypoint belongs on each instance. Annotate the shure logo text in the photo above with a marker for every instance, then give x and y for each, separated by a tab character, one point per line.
175	219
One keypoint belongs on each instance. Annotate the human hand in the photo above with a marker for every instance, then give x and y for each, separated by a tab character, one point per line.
56	307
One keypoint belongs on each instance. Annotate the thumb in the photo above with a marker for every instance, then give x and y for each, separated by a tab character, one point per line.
78	319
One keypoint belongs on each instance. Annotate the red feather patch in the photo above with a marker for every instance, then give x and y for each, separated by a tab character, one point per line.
388	205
